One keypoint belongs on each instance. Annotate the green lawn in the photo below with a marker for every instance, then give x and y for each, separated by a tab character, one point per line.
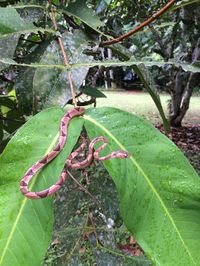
141	103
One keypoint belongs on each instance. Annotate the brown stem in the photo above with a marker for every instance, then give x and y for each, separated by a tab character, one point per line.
66	61
83	188
141	26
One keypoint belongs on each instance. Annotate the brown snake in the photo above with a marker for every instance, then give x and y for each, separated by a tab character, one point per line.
57	149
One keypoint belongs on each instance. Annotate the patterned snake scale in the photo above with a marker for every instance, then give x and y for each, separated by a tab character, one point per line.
92	154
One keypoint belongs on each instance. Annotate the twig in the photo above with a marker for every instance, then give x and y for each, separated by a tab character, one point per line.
66	61
83	188
94	230
141	26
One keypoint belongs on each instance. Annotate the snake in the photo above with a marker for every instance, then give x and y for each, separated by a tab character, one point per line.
69	164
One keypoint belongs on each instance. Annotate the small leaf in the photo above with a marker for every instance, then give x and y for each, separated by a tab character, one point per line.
94	92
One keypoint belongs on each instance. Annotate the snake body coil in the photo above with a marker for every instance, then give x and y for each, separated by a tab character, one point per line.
60	145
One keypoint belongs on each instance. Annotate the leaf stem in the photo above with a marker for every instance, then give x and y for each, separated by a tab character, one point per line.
66	60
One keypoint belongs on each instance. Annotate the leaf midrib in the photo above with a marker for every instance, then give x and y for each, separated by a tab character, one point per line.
147	180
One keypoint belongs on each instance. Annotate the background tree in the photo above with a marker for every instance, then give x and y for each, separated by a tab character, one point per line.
174	37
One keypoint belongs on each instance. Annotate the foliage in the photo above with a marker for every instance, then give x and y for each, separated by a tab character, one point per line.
158	189
145	188
26	226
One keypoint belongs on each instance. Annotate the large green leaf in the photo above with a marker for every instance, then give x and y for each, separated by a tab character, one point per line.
24	81
159	190
26	225
51	86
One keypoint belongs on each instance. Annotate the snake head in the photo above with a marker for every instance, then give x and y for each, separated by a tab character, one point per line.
120	154
123	154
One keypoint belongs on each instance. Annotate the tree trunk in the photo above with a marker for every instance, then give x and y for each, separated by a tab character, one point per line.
181	95
185	82
176	98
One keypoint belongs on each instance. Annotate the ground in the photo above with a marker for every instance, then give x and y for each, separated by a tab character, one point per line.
141	103
81	233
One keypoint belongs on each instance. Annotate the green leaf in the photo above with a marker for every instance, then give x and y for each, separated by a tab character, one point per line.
24	81
149	84
7	48
26	225
81	11
94	92
6	101
14	119
11	23
159	191
51	87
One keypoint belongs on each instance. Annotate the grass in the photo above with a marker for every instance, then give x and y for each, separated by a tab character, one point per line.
141	103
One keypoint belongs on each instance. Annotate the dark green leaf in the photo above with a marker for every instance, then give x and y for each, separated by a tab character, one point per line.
80	10
10	22
24	80
6	101
94	92
51	86
7	48
13	120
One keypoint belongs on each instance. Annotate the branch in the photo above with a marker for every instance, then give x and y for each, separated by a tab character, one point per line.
66	61
141	26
